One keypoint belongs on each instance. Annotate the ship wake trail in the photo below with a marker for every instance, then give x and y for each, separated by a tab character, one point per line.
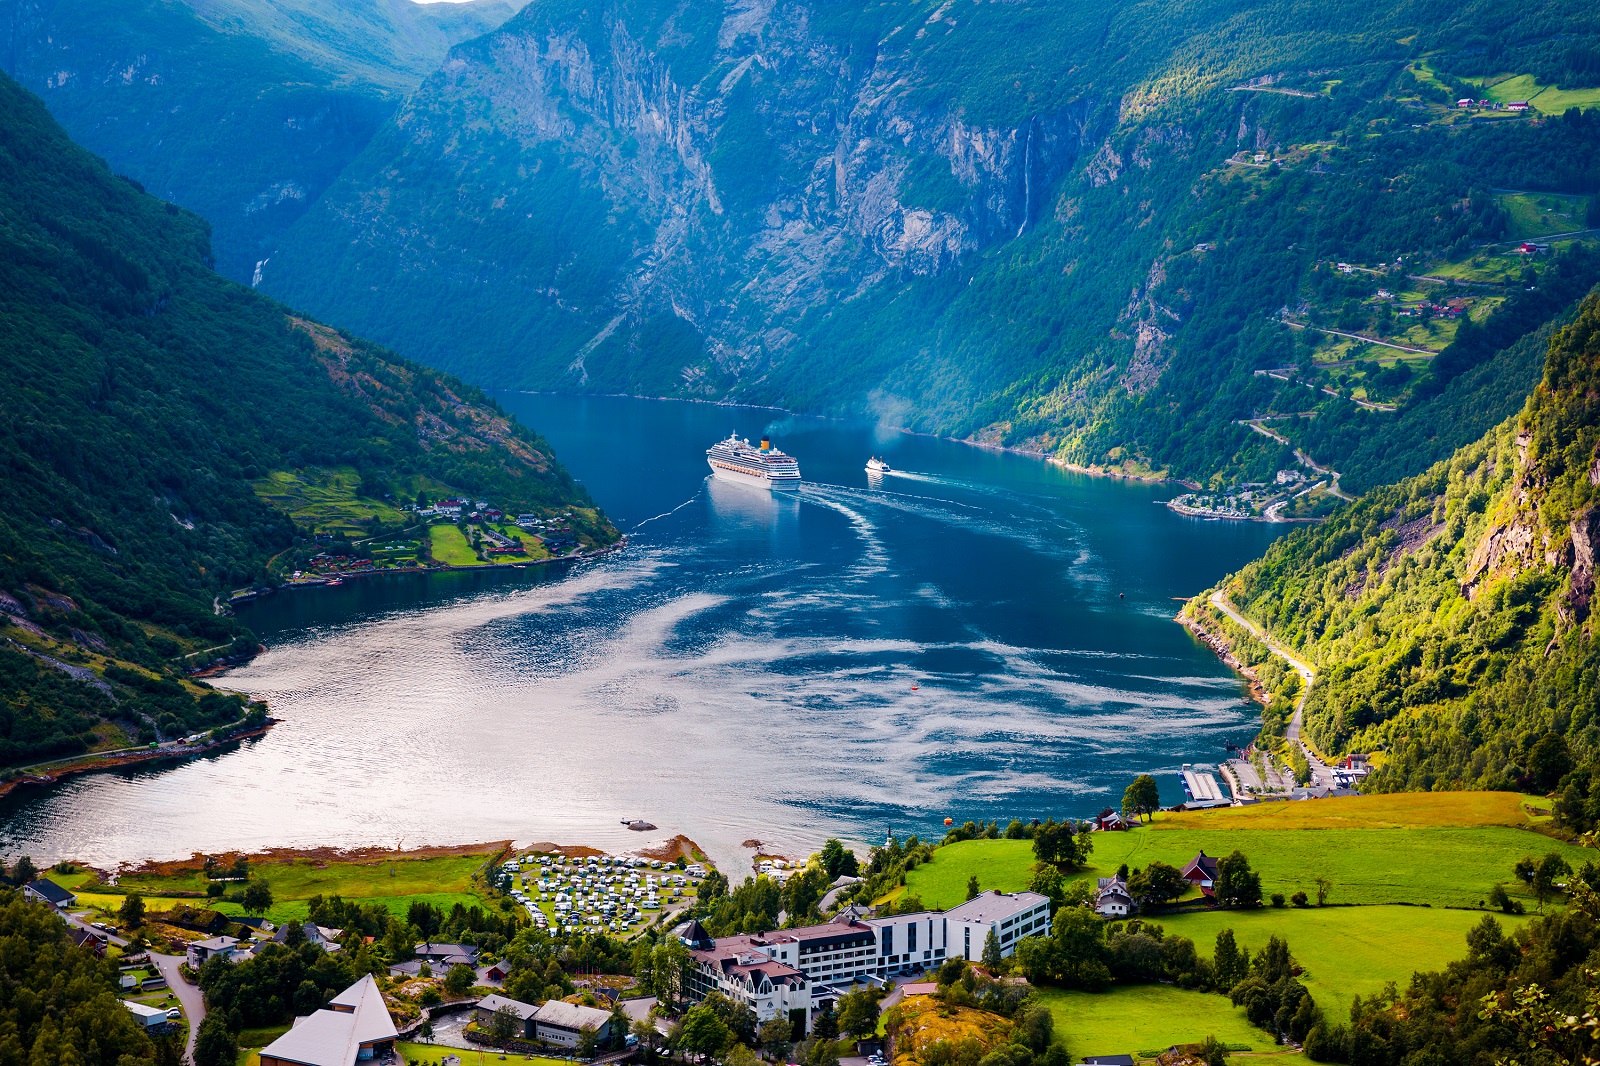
874	556
669	514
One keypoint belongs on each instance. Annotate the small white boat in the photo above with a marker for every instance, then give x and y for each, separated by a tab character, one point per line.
877	466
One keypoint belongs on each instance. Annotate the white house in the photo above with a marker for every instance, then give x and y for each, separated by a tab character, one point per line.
202	951
1113	900
45	890
148	1017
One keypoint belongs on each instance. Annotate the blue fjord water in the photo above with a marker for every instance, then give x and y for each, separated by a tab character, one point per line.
977	635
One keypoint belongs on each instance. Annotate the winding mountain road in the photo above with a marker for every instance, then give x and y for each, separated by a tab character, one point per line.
1321	774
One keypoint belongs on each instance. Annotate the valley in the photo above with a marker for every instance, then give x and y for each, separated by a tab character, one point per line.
1171	642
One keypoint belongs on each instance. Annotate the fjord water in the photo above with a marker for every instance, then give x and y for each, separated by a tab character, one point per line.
977	635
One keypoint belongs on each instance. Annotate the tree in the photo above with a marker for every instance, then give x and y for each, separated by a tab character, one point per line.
670	965
214	1044
459	981
23	871
1157	884
1062	844
825	1026
503	1025
1047	881
858	1012
992	959
1237	885
702	1032
1324	886
256	897
1549	762
777	1037
588	1042
1142	798
1211	1052
1228	963
822	1053
973	890
132	910
1547	875
426	1032
838	861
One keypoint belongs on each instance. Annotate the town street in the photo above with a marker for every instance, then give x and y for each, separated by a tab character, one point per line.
194	1007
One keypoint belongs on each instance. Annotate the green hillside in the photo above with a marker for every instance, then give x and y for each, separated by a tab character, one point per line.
1449	616
1085	229
243	111
144	397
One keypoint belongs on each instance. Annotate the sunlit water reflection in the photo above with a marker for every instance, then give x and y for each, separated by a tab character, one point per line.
979	636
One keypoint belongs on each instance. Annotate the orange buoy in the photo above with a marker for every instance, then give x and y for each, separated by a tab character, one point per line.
949	821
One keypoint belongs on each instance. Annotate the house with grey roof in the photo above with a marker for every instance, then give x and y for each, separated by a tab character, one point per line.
489	1006
45	890
562	1023
355	1026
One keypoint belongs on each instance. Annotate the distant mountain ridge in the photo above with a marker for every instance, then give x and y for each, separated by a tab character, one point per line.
241	110
920	212
145	397
1451	617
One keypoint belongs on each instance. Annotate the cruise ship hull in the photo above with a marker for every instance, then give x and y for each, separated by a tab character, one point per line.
752	478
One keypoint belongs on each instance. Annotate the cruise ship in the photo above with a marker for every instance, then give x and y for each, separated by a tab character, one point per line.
740	461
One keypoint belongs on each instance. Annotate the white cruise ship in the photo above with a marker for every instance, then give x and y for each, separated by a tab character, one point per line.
741	462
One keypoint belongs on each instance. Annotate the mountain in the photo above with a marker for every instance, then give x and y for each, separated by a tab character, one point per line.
1451	617
243	111
148	401
1078	229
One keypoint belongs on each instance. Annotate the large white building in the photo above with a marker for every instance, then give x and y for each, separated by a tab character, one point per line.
788	971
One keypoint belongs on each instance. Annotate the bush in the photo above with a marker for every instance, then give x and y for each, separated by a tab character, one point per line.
1278	901
1299	900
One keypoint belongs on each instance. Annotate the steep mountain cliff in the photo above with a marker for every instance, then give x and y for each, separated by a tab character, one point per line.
1451	617
1073	228
240	110
145	398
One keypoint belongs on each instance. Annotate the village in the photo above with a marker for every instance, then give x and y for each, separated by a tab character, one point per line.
572	954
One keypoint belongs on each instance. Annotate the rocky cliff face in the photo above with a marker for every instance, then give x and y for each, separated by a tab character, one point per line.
751	169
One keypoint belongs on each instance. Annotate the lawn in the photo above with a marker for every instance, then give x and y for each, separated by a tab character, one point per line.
1346	951
450	546
396	882
1442	849
1148	1018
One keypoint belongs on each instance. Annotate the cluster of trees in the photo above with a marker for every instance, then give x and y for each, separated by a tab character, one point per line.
1030	1041
60	1006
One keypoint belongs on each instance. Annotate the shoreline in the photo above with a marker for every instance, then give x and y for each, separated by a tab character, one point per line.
92	762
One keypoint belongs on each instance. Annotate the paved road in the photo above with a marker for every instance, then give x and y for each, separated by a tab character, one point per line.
82	922
194	1006
1321	775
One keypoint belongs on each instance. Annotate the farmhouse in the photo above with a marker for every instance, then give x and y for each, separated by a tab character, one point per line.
560	1022
488	1006
1113	899
45	890
150	1019
355	1027
1109	819
1201	872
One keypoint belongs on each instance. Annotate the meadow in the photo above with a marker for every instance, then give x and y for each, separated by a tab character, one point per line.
1544	98
393	881
1150	1018
1540	214
1436	849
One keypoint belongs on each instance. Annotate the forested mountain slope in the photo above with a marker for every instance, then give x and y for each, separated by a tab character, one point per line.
241	110
1077	228
1451	617
143	395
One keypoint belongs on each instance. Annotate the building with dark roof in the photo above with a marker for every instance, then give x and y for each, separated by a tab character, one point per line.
45	890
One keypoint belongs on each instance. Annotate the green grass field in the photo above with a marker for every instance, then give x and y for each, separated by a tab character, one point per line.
1545	98
1128	1020
325	500
1542	214
450	546
1346	951
1442	848
432	1053
442	881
